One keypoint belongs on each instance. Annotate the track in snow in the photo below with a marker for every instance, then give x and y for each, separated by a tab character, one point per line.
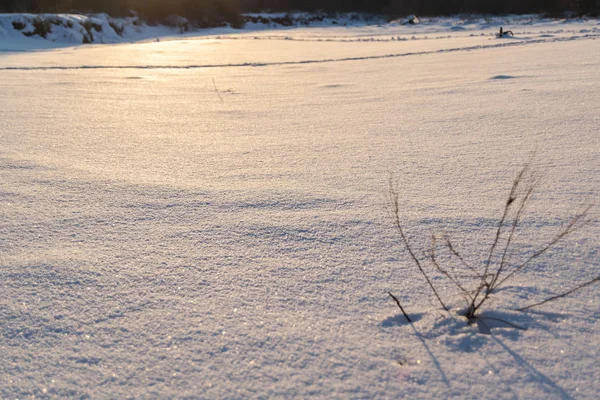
590	36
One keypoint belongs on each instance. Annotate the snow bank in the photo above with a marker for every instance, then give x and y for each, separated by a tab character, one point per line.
63	27
76	29
101	28
23	31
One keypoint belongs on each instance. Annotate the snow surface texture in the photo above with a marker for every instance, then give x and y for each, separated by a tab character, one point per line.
206	216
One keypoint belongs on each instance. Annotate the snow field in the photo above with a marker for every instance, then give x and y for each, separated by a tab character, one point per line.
156	241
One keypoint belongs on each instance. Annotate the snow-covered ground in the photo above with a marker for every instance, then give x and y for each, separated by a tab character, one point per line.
205	216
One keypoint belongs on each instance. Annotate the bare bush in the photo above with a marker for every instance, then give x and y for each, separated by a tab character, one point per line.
478	285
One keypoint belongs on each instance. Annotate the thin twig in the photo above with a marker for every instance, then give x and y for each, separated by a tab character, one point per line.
443	271
217	90
571	227
394	197
511	198
511	235
597	279
401	309
462	260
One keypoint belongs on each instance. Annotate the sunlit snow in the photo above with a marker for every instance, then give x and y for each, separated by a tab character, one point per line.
205	215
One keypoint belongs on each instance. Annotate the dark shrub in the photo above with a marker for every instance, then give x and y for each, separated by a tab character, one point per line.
87	38
18	25
41	27
88	25
118	28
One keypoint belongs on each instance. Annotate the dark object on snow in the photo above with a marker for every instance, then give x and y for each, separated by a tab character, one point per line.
504	33
42	27
401	309
18	25
413	20
597	279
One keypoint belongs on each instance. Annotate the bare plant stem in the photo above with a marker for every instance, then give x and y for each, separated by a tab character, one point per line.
394	197
484	284
597	279
462	260
511	198
217	90
443	271
510	236
401	309
572	226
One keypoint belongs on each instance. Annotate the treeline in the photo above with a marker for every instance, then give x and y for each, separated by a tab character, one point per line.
151	10
437	7
430	7
230	10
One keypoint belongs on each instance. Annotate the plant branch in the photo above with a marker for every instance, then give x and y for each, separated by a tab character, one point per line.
597	279
511	235
401	309
217	90
511	198
572	226
395	201
446	273
484	283
462	260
